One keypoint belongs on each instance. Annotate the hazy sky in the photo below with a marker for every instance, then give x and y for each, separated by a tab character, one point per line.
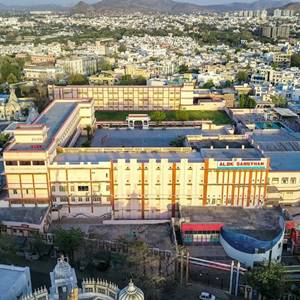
72	2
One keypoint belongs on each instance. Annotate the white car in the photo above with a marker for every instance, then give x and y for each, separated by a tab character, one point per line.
207	296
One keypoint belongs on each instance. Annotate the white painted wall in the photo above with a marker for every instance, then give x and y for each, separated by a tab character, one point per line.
249	259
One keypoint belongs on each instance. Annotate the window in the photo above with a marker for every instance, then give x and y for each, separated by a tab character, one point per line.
83	188
284	180
11	163
38	163
63	199
275	180
72	188
25	163
79	199
53	188
15	192
107	188
293	180
62	188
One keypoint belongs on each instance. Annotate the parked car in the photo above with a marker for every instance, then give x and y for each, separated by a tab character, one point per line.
207	296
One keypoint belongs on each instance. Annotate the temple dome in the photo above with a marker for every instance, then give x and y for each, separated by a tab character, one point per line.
62	269
131	292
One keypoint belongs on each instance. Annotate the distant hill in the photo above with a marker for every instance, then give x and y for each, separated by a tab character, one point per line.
171	6
256	5
137	5
292	6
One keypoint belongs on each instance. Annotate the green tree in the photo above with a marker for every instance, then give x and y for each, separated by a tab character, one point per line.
208	84
104	65
37	245
158	116
128	80
8	248
11	78
68	241
241	76
122	48
295	60
183	69
77	79
267	280
279	101
246	101
182	115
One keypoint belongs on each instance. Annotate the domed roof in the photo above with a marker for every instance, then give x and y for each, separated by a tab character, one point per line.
62	269
131	292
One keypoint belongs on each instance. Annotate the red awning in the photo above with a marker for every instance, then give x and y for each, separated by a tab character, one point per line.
201	227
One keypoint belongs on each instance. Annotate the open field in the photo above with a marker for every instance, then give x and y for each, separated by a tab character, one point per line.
217	116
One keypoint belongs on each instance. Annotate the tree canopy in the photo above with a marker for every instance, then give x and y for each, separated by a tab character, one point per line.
295	60
77	79
279	101
68	241
246	101
241	76
267	280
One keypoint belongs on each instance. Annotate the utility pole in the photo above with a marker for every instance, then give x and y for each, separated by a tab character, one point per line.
237	279
187	267
181	267
231	277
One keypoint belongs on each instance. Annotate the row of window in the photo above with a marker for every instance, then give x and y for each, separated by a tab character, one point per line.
76	199
284	180
24	163
80	188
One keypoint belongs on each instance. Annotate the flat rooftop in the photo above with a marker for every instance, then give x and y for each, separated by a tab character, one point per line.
284	160
229	154
9	277
30	215
53	118
220	144
261	223
277	140
141	156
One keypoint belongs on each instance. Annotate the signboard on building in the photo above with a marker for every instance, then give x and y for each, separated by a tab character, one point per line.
243	164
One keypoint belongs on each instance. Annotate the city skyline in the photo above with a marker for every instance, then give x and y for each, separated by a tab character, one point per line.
74	2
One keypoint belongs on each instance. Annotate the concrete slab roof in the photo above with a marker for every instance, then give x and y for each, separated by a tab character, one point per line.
284	160
96	157
229	154
53	118
29	215
261	223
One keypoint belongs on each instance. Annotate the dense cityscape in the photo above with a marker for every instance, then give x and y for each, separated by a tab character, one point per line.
150	150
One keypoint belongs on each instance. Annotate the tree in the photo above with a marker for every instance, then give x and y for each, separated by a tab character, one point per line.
241	76
208	84
37	245
295	60
246	101
181	115
104	65
183	69
68	241
8	248
278	100
11	78
77	79
267	280
158	116
128	80
122	48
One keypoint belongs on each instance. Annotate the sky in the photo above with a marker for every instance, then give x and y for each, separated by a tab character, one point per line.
73	2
